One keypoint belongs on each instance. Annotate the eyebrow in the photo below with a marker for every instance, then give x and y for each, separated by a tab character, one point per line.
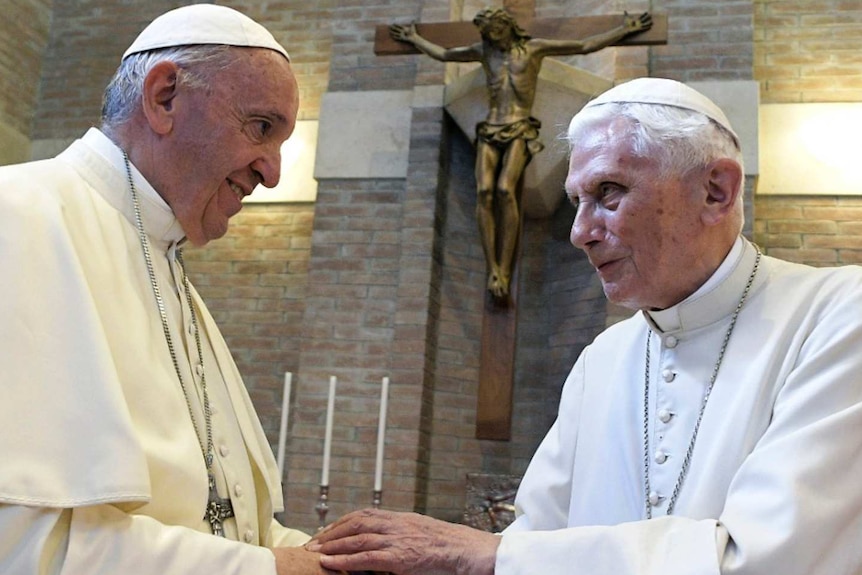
265	112
278	116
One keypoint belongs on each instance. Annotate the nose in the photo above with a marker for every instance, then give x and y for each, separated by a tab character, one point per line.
268	165
587	227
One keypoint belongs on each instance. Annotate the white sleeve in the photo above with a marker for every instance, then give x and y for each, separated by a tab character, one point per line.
103	540
542	502
666	545
539	539
794	505
281	536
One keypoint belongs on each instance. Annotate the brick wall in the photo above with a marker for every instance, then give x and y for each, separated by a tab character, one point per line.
815	230
254	282
305	29
707	40
453	451
24	30
23	35
87	41
809	52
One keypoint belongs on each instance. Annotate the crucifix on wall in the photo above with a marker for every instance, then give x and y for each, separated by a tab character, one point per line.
506	141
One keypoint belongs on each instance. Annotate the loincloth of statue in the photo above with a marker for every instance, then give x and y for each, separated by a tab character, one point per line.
500	135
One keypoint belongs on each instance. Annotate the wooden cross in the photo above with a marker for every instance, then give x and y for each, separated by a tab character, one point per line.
218	509
499	327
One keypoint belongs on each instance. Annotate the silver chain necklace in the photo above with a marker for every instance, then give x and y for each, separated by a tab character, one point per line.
217	509
648	496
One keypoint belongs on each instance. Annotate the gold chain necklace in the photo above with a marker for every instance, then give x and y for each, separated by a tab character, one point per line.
650	498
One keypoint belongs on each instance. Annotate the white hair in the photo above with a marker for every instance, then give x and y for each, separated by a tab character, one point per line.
123	94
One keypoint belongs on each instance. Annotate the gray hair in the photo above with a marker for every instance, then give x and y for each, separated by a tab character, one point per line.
197	64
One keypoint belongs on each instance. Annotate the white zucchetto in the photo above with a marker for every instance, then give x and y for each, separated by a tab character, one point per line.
665	92
204	24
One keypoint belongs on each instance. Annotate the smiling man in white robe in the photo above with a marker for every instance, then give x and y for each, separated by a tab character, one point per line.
716	431
128	441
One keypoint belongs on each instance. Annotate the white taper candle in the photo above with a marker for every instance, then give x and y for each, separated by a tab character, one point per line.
327	439
282	430
381	435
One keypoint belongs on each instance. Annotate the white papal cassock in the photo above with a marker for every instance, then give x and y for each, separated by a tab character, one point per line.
775	482
102	471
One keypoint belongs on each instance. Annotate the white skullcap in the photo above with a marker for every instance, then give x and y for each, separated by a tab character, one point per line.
204	24
665	92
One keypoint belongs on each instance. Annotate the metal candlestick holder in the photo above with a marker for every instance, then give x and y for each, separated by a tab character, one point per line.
375	498
322	506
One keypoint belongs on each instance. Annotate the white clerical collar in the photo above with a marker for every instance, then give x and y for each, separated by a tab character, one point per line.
101	163
722	272
715	299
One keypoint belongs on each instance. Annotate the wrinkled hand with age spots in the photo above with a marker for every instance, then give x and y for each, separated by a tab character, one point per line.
404	544
299	561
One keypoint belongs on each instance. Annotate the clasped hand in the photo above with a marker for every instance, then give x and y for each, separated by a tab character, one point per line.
404	544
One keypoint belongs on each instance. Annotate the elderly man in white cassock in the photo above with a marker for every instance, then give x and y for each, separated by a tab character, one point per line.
716	431
129	444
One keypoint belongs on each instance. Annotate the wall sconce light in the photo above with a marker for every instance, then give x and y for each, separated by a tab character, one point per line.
297	182
811	149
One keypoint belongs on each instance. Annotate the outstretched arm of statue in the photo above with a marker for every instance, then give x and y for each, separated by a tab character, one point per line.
634	24
631	25
409	34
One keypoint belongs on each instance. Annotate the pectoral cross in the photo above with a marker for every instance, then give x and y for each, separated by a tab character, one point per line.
218	509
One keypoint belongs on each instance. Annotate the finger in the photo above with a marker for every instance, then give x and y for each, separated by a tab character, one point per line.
367	561
339	531
362	521
363	542
324	533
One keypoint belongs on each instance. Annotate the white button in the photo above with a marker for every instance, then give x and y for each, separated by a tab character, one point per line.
199	369
249	536
660	457
654	498
668	375
664	415
192	328
223	450
670	341
237	490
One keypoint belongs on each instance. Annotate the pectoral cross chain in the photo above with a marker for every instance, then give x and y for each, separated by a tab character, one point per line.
218	509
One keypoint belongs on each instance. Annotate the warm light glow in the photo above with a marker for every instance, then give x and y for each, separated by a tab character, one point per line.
297	182
832	136
811	149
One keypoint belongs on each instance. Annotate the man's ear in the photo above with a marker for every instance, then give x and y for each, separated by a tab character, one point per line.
160	89
723	186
